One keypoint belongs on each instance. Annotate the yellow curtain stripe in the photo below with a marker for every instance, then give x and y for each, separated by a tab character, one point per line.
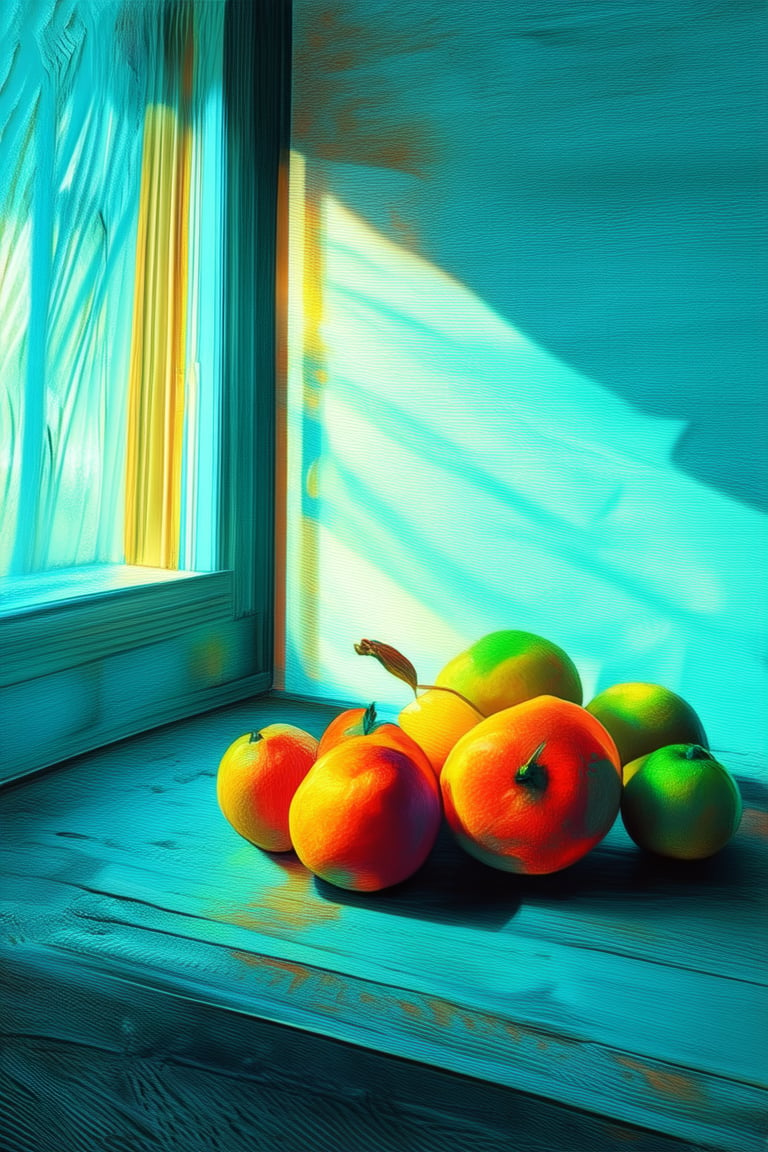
314	374
158	347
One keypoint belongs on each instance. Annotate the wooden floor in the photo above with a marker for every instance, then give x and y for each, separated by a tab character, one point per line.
165	985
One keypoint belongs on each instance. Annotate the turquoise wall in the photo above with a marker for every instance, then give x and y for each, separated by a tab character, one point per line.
530	389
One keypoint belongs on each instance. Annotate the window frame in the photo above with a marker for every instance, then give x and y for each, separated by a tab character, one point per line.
87	635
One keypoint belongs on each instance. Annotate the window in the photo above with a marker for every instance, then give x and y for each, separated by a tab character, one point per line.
143	143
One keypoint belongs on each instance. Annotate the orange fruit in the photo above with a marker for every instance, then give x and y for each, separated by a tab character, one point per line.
507	667
366	816
350	722
436	720
362	722
679	801
534	787
257	777
643	717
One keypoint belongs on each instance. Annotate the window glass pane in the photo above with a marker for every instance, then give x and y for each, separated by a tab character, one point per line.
110	258
526	356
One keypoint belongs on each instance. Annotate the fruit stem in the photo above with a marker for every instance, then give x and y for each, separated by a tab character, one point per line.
445	688
394	662
369	719
533	774
398	665
696	752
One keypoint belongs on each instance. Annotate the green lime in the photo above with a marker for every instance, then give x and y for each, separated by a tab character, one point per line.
680	802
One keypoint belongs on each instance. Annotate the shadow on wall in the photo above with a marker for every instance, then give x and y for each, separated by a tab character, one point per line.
589	171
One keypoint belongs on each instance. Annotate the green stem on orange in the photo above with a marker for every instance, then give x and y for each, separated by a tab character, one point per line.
533	774
445	688
369	718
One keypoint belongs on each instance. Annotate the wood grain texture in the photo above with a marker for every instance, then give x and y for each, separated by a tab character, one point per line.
625	997
160	1073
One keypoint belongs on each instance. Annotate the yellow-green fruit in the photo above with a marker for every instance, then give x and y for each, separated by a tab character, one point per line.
681	802
644	717
507	667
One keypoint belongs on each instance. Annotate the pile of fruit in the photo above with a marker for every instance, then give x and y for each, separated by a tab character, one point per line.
501	747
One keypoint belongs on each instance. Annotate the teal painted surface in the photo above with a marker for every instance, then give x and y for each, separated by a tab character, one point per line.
92	673
632	990
533	396
182	1074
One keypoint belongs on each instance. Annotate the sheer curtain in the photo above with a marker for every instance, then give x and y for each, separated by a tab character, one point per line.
110	255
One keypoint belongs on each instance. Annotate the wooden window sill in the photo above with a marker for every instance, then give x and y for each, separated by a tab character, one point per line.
167	985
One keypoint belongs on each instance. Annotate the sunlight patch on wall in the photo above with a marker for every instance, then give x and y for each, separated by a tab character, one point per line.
451	478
